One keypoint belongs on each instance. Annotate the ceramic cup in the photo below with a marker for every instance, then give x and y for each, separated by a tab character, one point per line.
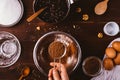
111	28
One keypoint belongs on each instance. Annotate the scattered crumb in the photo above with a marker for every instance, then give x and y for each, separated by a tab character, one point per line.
74	26
38	28
85	17
100	35
78	10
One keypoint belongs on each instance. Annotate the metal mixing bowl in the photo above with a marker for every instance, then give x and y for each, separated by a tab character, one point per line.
42	58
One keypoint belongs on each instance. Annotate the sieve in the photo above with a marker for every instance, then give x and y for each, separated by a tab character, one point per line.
53	53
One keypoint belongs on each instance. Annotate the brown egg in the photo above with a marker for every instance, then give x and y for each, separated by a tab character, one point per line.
116	45
110	52
117	59
108	64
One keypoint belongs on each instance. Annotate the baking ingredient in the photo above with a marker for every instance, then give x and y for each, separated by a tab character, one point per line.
110	52
8	48
85	17
101	7
116	45
73	48
10	11
117	59
56	49
108	64
100	35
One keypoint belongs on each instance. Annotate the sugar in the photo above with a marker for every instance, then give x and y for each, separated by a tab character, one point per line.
10	11
9	49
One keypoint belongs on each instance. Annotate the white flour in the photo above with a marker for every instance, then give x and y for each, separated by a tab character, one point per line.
10	11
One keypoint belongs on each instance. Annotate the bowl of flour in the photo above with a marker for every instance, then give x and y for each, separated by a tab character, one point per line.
11	12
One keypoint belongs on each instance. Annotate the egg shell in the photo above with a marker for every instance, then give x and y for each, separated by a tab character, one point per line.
116	45
110	52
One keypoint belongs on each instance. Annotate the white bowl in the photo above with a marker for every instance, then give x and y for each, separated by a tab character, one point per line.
111	28
18	19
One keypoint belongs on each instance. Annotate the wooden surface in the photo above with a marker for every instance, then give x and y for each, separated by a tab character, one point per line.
85	32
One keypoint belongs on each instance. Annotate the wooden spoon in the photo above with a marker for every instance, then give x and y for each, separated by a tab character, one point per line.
36	14
101	7
25	72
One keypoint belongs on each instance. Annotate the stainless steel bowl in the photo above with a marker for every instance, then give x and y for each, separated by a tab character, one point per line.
42	58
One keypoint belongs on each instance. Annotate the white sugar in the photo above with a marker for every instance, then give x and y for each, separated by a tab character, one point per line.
8	49
10	11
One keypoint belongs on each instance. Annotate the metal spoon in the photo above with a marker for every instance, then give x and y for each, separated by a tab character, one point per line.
25	72
101	7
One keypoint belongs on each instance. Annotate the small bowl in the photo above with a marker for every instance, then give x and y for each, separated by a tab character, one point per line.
42	58
92	66
111	28
55	12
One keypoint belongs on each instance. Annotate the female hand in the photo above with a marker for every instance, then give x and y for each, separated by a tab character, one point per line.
57	73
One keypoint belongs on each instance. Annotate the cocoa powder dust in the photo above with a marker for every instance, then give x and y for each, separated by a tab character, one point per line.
56	49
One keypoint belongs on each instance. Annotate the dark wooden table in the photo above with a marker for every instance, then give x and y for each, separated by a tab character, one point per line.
85	32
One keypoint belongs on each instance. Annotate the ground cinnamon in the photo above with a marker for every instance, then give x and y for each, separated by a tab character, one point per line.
56	49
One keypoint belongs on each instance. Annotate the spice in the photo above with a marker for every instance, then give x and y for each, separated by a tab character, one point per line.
10	11
56	49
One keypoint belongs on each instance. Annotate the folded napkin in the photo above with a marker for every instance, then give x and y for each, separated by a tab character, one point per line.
113	74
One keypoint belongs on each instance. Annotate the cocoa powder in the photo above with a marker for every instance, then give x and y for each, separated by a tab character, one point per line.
56	49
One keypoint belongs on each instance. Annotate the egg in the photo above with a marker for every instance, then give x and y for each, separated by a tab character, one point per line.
117	59
116	45
110	52
108	64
